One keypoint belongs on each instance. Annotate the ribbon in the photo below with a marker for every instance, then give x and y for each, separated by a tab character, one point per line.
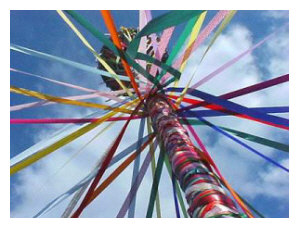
101	37
260	117
175	197
137	182
108	95
246	136
154	187
115	38
17	166
119	170
239	92
172	18
42	96
188	52
104	165
92	50
153	169
225	22
177	189
243	144
224	112
50	57
234	60
159	52
136	166
176	48
192	39
45	102
201	37
88	178
66	120
64	131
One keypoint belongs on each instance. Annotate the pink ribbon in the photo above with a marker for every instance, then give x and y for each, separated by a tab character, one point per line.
201	37
67	120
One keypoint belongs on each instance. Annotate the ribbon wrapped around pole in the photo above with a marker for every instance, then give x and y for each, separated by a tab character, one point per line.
204	193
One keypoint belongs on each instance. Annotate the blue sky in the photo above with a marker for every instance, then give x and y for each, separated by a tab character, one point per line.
45	31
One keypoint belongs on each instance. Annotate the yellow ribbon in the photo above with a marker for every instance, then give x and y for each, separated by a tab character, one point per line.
87	44
192	40
217	33
153	167
42	96
58	144
190	44
225	22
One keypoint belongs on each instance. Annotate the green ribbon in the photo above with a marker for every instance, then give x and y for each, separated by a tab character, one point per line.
169	19
155	61
247	203
246	136
155	183
180	199
182	38
102	38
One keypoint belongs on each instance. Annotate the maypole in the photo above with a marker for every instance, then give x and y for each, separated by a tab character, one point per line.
203	191
135	65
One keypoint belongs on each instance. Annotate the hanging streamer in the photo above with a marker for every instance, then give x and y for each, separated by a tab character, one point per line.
153	168
160	23
240	92
243	144
155	183
115	38
192	39
234	60
175	197
46	56
225	112
87	179
177	188
201	37
182	38
246	136
57	135
104	165
108	95
110	45
42	96
15	167
136	185
226	21
136	166
188	51
67	120
45	102
265	118
118	170
164	41
87	44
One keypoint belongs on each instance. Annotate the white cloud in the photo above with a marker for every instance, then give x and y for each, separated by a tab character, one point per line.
280	14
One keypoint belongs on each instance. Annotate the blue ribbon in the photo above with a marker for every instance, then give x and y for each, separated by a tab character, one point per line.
136	166
218	129
234	107
88	178
213	113
175	196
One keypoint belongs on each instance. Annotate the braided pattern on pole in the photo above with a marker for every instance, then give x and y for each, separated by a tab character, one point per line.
204	194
